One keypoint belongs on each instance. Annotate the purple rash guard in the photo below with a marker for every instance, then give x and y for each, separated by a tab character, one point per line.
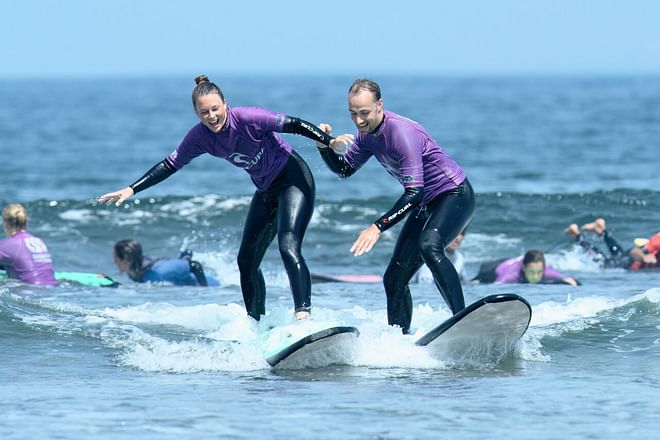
247	140
409	153
509	271
26	257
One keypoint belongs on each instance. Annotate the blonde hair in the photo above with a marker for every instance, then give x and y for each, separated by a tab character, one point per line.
14	216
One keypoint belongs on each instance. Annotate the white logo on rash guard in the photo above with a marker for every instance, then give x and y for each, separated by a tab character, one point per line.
239	158
243	160
35	245
38	249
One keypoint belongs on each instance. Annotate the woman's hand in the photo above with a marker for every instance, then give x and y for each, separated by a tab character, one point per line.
118	197
340	143
366	240
327	128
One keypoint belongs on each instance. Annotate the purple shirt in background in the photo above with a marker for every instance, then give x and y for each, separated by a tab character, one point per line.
510	271
409	153
247	140
26	258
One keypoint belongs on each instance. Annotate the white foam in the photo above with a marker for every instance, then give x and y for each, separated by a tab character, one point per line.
129	217
653	295
214	337
574	259
222	265
149	353
202	204
78	215
198	317
552	319
549	313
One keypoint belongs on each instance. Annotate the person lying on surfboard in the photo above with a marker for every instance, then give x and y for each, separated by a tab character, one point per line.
642	255
22	255
529	268
437	198
283	202
184	271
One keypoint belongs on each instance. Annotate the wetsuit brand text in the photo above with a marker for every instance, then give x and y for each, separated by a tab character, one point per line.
243	159
313	130
398	213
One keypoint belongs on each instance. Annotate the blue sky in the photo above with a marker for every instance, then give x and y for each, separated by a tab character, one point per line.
146	37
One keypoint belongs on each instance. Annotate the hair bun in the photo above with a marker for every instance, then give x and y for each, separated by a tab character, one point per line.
201	79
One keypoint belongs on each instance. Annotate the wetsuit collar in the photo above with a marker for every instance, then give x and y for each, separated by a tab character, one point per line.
226	124
379	127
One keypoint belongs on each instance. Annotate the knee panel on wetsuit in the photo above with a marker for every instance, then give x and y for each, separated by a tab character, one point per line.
432	246
289	246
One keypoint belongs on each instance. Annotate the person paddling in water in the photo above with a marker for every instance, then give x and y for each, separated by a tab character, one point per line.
283	202
643	255
22	255
438	200
183	271
529	268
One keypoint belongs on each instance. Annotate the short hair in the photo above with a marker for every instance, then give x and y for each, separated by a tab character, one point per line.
365	84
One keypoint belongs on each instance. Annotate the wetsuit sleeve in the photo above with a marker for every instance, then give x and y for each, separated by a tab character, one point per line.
197	270
552	274
410	199
4	254
299	126
159	172
337	163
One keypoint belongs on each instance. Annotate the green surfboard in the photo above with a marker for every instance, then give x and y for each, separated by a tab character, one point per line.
84	278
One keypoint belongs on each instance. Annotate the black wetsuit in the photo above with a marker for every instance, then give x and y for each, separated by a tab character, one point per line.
438	201
284	209
618	257
428	230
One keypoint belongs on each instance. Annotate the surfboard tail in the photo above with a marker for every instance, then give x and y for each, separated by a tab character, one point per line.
485	331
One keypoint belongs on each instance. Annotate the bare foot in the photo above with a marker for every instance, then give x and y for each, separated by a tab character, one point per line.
598	226
572	231
300	316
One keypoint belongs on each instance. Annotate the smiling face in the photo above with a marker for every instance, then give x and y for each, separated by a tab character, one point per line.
212	111
366	111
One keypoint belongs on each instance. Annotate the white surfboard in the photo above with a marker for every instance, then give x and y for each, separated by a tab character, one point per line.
299	346
483	332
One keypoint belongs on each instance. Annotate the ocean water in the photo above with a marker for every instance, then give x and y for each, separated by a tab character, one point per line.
161	362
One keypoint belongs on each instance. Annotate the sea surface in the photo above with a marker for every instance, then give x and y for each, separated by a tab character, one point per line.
165	362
